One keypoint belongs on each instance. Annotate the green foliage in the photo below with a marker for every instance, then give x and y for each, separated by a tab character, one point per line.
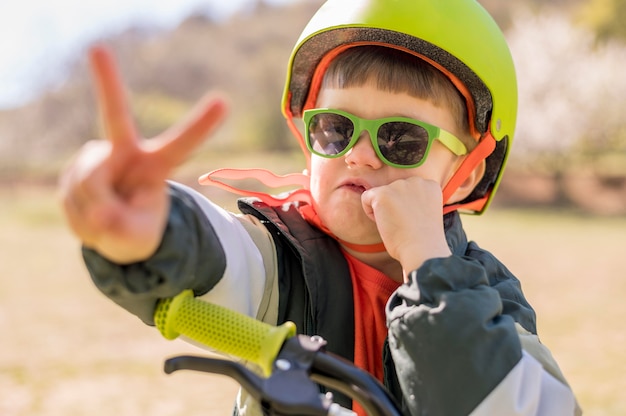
155	111
607	18
264	129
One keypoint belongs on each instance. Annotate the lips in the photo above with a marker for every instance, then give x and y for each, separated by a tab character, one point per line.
355	185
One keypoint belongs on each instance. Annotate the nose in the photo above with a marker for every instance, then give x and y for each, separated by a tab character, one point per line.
363	153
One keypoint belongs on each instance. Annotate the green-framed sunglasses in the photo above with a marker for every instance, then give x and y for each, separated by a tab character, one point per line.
398	141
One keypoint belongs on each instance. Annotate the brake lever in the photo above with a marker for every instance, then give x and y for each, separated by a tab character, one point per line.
292	388
246	378
287	391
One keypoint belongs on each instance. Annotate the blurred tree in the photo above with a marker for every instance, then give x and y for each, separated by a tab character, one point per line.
505	12
607	18
572	96
244	57
155	112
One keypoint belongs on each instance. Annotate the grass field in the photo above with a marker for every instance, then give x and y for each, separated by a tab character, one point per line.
66	350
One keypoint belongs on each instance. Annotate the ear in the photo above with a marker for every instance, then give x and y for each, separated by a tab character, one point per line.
468	185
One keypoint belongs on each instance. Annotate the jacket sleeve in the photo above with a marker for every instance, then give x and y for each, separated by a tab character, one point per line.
204	248
456	353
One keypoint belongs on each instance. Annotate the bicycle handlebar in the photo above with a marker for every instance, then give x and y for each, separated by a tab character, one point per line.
222	329
292	365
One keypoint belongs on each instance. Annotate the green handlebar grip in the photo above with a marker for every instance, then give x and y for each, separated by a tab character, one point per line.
221	329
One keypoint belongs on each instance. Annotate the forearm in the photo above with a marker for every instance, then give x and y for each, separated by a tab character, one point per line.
455	351
450	344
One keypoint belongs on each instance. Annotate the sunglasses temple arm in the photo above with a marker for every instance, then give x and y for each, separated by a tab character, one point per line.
485	147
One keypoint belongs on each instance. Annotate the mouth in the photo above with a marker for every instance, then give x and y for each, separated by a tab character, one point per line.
355	186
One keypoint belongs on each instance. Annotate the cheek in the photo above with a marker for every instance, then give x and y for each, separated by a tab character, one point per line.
439	165
318	172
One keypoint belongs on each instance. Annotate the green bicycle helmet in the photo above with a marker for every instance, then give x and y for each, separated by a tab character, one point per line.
458	37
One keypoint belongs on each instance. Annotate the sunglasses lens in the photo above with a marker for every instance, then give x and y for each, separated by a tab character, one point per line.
329	134
402	143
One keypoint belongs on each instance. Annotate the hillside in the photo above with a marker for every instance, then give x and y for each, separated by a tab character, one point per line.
245	58
166	72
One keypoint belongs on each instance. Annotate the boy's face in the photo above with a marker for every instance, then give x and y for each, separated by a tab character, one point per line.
337	184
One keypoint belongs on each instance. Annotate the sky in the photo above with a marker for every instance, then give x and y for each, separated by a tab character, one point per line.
39	37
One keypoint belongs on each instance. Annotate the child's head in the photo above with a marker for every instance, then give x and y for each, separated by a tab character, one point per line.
450	54
408	138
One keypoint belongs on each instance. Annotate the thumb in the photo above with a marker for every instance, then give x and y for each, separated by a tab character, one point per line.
367	202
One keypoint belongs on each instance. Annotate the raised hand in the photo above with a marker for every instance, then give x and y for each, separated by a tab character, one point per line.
407	213
114	191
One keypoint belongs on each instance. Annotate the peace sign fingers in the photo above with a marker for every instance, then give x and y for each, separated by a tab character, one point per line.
170	148
116	117
114	193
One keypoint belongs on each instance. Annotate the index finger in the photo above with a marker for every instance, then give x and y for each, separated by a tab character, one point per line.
118	123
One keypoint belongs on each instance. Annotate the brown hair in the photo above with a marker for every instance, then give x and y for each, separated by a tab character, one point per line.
398	72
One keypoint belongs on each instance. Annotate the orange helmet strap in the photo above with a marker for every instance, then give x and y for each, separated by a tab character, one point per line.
485	147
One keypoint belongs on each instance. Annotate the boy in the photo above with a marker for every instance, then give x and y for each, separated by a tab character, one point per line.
409	110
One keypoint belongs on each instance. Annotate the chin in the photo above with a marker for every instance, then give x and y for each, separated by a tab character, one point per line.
354	227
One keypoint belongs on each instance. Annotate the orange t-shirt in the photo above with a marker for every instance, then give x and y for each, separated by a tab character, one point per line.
371	290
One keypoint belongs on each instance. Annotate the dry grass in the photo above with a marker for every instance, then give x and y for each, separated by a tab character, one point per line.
571	268
66	350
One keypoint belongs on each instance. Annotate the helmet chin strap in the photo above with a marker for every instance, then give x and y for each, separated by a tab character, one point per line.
485	147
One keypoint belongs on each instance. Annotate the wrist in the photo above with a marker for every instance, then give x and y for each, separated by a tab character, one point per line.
414	257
